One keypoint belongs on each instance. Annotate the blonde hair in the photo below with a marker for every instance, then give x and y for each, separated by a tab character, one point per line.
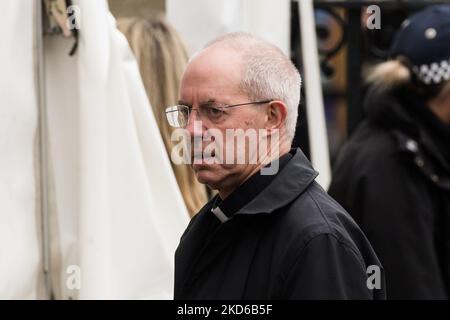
162	57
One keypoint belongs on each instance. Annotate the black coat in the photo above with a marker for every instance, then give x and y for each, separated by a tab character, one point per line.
393	177
291	241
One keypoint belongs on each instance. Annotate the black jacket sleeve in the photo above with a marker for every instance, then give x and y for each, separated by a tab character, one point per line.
327	268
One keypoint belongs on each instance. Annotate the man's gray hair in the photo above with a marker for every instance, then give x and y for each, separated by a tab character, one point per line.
268	74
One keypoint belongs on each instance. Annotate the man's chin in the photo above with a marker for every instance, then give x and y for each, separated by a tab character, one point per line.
206	174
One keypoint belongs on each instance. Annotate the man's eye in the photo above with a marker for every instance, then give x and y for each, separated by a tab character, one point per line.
213	112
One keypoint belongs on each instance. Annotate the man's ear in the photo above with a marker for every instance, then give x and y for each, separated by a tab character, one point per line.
276	115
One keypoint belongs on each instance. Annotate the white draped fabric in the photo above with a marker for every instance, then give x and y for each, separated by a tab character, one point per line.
199	21
19	225
116	211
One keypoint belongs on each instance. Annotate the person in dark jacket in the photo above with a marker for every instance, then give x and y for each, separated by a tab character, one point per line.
393	175
271	232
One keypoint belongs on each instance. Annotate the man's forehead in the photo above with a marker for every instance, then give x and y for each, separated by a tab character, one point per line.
199	94
212	74
214	63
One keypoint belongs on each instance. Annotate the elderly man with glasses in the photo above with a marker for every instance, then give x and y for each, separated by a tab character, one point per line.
267	234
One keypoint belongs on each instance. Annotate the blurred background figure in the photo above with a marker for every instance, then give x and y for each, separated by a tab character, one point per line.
162	57
393	175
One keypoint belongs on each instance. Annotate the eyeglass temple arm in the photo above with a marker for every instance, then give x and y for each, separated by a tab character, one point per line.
247	103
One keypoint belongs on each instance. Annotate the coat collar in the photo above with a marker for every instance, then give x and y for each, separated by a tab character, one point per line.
225	209
206	238
403	111
289	183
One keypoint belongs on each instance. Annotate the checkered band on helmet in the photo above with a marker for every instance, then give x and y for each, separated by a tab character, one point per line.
434	73
424	39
